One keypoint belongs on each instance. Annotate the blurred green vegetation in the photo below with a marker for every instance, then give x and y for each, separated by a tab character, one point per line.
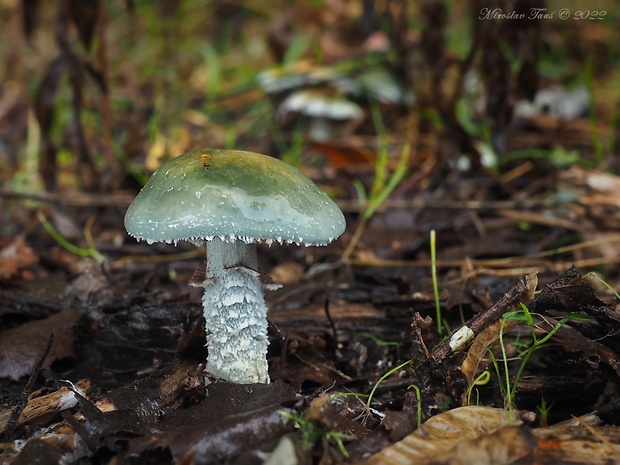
183	74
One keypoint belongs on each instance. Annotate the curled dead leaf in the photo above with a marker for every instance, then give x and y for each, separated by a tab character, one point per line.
458	433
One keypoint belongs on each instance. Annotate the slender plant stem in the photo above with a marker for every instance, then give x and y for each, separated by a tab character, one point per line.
65	244
433	241
386	375
509	393
384	182
418	396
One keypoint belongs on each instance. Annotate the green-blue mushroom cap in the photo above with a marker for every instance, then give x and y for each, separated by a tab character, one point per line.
233	195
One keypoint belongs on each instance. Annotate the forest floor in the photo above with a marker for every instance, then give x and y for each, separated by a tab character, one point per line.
468	314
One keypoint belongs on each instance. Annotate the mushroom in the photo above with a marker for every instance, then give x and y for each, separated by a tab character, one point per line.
231	200
325	112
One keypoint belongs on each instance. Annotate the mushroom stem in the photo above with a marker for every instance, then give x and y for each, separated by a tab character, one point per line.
235	313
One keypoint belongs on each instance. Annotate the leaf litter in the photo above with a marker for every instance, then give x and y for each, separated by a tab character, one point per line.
102	362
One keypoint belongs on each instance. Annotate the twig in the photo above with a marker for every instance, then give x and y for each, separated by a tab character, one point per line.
81	200
433	204
330	320
523	291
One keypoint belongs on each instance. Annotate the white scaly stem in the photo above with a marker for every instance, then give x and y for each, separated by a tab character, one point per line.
235	313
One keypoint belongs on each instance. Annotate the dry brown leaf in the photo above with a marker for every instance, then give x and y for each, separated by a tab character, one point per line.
14	257
89	282
478	351
578	441
501	447
346	156
444	432
484	435
22	347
